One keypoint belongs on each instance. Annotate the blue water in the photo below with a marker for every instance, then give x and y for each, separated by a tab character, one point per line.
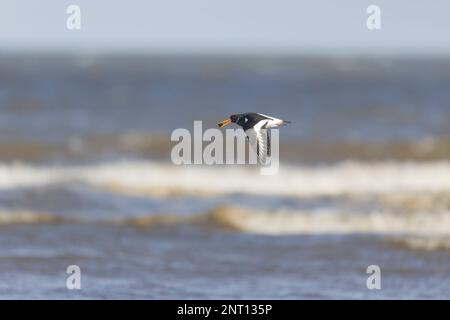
82	109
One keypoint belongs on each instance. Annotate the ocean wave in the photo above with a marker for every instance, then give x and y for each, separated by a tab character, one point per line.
329	222
30	217
147	178
425	243
280	222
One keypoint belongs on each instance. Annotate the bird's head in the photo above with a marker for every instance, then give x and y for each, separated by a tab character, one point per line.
234	118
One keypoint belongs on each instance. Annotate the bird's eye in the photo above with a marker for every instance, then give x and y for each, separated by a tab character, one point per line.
245	119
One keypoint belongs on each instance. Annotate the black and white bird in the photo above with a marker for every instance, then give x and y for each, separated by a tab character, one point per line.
255	126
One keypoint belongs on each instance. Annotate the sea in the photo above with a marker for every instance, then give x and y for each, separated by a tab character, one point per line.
87	178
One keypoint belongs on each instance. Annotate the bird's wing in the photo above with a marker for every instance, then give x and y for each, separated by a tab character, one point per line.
272	122
260	141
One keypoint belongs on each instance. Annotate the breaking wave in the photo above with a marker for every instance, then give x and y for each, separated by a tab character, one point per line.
158	179
30	217
329	222
271	222
427	243
414	231
414	209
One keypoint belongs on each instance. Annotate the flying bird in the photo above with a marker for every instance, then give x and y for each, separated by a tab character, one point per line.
255	126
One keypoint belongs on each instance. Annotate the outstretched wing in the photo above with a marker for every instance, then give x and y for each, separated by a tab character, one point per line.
259	139
273	122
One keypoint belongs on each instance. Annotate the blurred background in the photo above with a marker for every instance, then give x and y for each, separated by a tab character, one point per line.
85	171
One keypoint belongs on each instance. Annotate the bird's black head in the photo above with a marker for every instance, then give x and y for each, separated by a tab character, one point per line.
242	119
234	118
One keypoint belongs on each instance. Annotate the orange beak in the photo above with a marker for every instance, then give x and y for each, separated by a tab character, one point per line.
224	123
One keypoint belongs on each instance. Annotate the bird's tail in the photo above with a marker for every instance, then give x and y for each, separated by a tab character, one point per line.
285	122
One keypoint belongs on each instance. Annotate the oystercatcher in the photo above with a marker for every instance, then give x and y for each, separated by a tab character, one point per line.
255	126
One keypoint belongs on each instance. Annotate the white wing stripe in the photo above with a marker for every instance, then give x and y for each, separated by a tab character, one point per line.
258	139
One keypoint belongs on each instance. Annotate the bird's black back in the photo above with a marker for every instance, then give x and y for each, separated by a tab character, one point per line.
252	119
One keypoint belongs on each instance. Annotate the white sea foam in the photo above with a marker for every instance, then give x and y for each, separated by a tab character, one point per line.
30	217
333	222
428	243
166	179
420	228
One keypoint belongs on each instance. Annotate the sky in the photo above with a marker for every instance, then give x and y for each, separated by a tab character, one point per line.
220	26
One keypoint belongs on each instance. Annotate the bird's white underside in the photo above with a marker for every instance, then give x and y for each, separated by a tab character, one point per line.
258	138
258	135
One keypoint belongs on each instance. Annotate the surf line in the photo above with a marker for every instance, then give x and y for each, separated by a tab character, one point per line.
213	153
188	310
